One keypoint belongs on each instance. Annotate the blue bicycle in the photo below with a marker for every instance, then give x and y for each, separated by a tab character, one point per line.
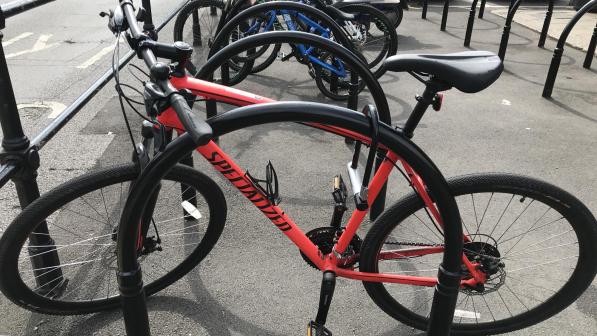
359	27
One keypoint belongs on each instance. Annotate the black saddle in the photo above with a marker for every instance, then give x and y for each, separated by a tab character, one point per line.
469	71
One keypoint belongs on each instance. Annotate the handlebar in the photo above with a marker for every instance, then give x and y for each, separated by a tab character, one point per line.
199	130
197	127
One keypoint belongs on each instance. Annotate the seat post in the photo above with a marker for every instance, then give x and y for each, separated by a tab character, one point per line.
423	103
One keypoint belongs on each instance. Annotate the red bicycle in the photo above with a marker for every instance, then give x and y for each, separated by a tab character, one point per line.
527	245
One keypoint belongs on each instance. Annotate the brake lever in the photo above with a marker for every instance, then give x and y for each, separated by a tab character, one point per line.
116	20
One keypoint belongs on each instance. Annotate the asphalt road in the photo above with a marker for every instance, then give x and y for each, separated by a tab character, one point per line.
254	282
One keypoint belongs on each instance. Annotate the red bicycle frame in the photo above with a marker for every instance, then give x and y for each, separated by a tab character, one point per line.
329	262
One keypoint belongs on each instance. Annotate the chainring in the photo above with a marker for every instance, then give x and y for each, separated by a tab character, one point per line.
325	238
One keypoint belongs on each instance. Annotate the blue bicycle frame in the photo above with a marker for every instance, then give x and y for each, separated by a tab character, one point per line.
314	28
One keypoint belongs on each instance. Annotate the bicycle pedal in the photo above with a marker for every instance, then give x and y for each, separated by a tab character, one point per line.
340	192
282	56
340	195
314	329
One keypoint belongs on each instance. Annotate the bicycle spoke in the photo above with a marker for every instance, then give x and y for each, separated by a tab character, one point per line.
484	212
475	309
93	208
507	256
527	282
542	264
501	216
504	302
488	308
527	232
515	220
73	244
432	231
106	208
538	228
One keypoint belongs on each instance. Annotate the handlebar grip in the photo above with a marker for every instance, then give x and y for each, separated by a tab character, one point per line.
199	130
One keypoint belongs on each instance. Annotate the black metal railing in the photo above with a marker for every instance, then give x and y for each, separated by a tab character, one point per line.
559	50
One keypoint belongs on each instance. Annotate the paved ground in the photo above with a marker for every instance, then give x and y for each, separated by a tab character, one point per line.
254	283
533	15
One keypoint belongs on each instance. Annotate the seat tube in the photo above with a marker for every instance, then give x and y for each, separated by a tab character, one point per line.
415	117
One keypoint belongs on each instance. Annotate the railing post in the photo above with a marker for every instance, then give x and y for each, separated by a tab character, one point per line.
546	23
16	149
553	72
148	25
507	26
559	50
196	29
445	15
353	91
471	22
591	50
482	9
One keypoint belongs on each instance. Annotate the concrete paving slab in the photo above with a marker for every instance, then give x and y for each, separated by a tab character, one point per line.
532	17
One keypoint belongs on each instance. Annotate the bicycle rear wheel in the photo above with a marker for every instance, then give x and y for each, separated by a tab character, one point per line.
536	241
329	83
372	34
82	217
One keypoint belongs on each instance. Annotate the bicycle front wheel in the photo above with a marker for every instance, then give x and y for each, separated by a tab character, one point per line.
535	241
82	217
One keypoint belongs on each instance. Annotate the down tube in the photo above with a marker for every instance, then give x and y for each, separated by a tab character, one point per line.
227	167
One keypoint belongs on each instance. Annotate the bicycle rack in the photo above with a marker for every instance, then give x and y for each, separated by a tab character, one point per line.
444	13
559	50
508	25
19	158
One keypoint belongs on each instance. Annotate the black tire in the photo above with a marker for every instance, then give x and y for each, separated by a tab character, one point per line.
582	230
578	4
394	14
324	83
64	198
209	23
260	63
366	16
260	66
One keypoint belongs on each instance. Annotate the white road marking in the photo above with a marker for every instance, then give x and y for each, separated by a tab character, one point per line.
16	39
467	314
55	107
93	59
41	44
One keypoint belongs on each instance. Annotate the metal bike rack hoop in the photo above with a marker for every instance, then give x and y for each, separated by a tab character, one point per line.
559	50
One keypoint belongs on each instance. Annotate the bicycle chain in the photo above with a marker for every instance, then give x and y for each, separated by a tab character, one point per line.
413	244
